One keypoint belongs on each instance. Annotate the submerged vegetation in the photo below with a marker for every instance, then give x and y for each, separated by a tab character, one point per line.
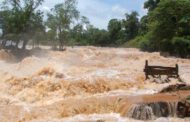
165	28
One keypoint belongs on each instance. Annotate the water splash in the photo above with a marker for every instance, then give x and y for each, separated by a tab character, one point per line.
141	112
153	110
97	74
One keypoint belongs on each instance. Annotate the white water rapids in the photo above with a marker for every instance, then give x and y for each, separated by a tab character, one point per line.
80	84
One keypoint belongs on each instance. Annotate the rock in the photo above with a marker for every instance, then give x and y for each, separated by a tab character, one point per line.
176	87
183	109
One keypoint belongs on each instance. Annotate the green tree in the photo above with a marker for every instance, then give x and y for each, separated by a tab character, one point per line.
181	46
151	4
96	37
3	25
21	18
61	18
51	38
114	29
170	19
169	25
131	25
78	32
143	27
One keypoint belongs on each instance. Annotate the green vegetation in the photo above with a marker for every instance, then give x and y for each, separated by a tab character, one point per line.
169	25
165	28
20	21
59	20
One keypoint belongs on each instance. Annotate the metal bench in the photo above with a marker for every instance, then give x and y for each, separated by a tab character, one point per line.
157	71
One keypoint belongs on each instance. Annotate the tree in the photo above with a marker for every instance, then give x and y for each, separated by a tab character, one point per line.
3	18
97	37
131	25
143	27
151	4
181	46
78	32
114	29
60	19
170	19
21	18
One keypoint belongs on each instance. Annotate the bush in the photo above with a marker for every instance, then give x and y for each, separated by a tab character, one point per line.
181	46
166	46
134	43
146	45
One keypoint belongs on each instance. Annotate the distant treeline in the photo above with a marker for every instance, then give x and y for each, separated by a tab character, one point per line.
166	27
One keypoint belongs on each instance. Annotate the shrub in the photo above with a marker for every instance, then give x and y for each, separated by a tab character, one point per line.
134	43
181	46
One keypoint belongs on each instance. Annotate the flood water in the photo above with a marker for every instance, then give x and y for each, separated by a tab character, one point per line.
90	84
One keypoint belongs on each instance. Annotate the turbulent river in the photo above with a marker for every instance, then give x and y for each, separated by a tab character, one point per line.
84	84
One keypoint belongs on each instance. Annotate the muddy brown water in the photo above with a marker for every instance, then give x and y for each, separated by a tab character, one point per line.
91	105
82	82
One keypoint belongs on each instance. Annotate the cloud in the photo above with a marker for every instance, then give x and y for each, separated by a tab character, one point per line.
143	11
118	10
96	11
100	12
45	9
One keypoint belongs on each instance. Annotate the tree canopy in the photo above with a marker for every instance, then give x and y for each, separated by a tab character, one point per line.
165	28
61	18
169	20
20	19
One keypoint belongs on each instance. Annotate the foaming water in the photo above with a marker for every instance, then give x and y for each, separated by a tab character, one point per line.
153	110
100	79
141	112
113	117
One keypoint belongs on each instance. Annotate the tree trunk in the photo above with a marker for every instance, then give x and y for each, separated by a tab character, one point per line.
61	42
61	45
17	42
33	44
3	43
24	45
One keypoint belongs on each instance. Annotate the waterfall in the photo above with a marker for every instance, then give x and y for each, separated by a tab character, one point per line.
141	112
151	111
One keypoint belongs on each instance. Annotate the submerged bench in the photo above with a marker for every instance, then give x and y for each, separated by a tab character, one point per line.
160	70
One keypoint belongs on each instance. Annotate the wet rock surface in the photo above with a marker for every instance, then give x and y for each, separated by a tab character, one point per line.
175	87
151	111
154	110
184	108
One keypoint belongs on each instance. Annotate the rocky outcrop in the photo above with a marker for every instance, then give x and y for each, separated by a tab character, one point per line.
176	87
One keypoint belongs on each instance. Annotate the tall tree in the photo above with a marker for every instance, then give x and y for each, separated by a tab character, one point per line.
97	37
114	29
169	20
151	4
60	19
131	25
78	32
143	27
21	18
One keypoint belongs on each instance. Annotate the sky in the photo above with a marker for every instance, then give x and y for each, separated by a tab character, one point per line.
99	12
